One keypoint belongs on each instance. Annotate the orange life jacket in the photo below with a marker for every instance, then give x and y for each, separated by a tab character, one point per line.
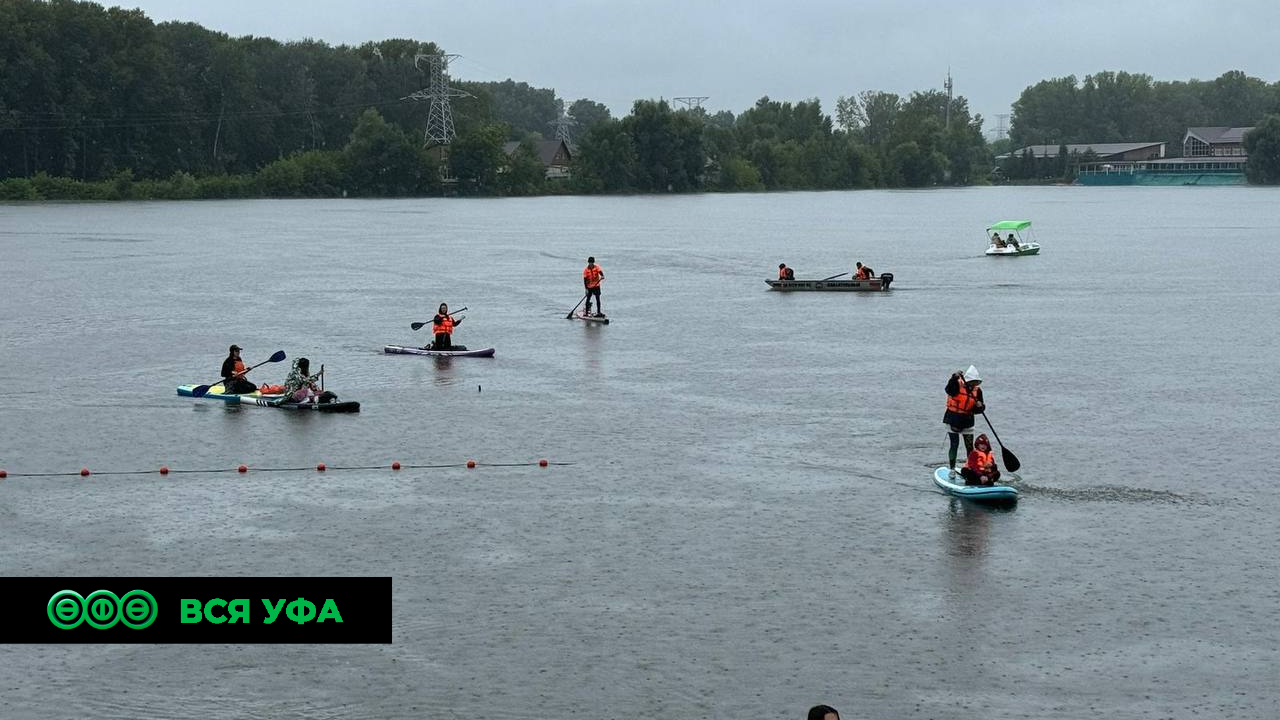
782	273
862	274
444	326
980	461
239	367
962	402
592	274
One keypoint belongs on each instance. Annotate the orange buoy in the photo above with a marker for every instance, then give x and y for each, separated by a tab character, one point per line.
542	462
471	464
84	472
164	469
243	468
319	467
395	465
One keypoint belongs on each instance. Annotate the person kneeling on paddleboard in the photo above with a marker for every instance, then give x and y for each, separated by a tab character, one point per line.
964	399
233	380
592	274
980	468
442	326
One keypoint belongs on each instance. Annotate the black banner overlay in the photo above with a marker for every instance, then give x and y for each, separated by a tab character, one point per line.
181	610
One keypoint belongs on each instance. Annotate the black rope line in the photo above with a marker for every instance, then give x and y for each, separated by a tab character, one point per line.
306	468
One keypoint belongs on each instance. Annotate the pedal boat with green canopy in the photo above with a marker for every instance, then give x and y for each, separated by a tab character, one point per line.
1021	231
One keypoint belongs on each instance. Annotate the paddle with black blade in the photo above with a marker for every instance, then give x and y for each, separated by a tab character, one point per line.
202	390
575	307
419	326
1011	462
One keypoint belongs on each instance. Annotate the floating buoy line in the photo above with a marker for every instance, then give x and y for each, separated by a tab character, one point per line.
318	467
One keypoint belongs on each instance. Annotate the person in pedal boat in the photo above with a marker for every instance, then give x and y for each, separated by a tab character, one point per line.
233	381
592	274
964	399
980	468
785	273
996	241
442	326
1012	242
300	386
863	272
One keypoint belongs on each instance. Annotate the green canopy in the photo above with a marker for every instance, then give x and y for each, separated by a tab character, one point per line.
1011	225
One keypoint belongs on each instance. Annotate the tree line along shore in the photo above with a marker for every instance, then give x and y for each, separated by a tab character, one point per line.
104	104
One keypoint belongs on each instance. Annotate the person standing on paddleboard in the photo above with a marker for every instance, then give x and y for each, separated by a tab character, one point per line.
964	399
592	274
233	380
442	325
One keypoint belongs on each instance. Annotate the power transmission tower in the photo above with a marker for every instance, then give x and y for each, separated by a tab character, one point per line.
692	101
564	125
439	114
947	85
1002	130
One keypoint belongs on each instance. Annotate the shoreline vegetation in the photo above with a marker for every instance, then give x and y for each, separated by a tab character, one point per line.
104	104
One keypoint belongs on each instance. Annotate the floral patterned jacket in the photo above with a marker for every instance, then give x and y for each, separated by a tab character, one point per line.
297	380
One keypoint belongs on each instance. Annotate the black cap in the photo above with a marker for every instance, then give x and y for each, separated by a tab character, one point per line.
782	265
591	259
235	347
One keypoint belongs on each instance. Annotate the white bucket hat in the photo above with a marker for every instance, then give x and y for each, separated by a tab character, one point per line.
972	374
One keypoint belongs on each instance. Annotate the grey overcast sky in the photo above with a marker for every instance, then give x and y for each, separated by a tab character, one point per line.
615	51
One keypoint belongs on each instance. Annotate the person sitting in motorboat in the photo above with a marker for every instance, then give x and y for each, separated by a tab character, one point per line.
442	326
1012	242
233	380
301	386
980	468
785	273
996	242
863	272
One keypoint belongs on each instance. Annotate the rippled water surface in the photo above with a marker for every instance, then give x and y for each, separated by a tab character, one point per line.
748	525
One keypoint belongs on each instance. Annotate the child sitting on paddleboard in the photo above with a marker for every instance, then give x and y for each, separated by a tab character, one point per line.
980	469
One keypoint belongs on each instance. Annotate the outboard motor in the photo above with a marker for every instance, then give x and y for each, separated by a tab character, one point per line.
885	279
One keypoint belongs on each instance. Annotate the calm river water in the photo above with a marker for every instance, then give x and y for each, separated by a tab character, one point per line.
748	525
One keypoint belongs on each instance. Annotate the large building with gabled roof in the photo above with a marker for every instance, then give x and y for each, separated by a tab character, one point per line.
1214	142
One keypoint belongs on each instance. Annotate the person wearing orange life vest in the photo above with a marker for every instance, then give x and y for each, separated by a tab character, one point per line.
442	326
233	380
964	399
592	274
863	272
980	468
785	273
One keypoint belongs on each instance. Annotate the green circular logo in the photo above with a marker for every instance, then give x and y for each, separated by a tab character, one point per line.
103	609
139	609
66	609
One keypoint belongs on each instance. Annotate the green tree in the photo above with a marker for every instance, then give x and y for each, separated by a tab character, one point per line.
524	108
381	161
606	159
917	166
524	173
587	114
668	147
477	158
1263	146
